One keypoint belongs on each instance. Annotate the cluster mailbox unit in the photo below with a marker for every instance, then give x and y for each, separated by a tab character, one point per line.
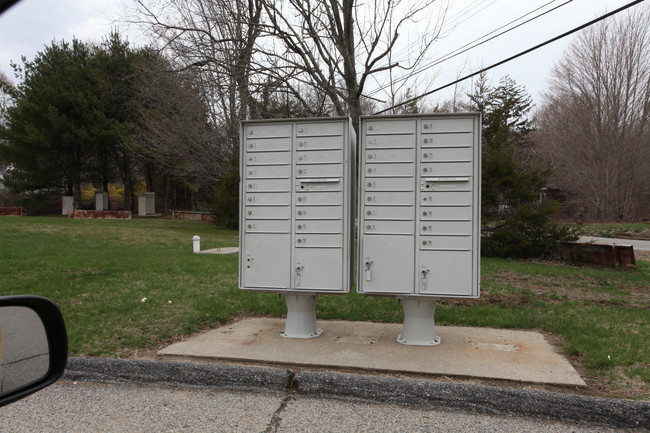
418	220
296	221
419	213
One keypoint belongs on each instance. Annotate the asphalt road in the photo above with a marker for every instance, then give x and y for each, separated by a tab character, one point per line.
92	407
637	244
108	395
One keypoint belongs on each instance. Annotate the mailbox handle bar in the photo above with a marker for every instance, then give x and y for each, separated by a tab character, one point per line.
446	179
321	180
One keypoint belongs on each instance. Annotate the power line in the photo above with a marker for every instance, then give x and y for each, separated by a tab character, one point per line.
563	35
465	48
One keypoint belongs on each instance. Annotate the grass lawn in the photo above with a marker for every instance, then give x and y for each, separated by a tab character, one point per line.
618	230
129	285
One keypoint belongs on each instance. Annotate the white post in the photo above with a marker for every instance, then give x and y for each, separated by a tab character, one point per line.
419	328
196	244
301	316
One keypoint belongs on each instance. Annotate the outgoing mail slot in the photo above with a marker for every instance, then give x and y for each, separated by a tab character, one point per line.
381	227
320	143
322	170
446	198
446	125
267	226
268	158
390	213
268	199
268	185
319	226
447	140
268	145
389	170
462	183
452	243
389	199
405	184
431	169
446	213
319	157
316	198
319	212
319	184
269	130
446	154
319	129
268	171
390	141
451	228
317	241
268	212
390	155
390	126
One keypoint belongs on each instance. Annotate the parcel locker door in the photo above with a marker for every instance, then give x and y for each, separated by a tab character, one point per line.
446	273
262	266
319	268
387	264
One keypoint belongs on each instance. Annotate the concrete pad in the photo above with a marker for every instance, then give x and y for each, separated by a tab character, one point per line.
474	352
226	250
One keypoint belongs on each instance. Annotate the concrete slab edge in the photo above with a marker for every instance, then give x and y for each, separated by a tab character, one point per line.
404	392
177	373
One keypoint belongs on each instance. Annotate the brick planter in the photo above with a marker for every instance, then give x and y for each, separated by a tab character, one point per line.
101	214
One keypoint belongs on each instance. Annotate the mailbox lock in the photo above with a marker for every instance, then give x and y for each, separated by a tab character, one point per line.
299	226
299	212
370	170
250	145
300	143
370	128
369	212
250	212
425	169
300	171
299	198
368	265
426	140
426	155
299	241
301	130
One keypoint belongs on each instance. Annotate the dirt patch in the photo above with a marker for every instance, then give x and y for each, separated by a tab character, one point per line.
558	289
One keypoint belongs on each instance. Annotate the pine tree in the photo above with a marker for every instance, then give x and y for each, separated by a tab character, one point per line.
514	221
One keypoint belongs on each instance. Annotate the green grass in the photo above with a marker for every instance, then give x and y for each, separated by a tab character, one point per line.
100	271
612	230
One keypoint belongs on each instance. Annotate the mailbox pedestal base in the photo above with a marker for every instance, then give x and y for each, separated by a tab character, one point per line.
419	328
301	316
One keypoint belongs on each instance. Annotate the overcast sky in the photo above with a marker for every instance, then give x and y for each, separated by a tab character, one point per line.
32	24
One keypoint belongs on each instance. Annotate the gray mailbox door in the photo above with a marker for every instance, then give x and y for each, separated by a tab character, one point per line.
296	209
419	205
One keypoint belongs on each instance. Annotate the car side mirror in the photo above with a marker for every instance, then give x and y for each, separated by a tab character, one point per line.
33	346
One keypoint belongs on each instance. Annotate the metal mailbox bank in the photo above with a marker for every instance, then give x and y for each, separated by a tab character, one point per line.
419	213
296	212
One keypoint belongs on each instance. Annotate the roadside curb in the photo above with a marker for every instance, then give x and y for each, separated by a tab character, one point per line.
404	392
177	373
477	398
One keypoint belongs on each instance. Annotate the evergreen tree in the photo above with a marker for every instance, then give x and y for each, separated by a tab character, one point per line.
50	126
514	221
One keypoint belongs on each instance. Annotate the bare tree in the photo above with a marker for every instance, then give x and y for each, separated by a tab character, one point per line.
216	39
338	46
594	126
